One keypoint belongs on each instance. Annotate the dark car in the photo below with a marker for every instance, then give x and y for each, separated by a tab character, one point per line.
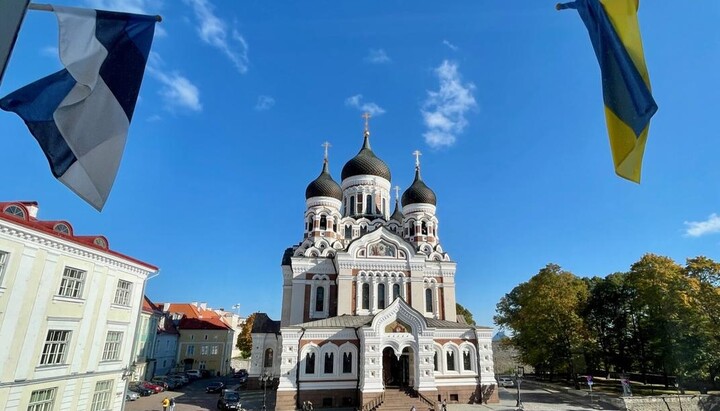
144	392
215	387
230	400
242	375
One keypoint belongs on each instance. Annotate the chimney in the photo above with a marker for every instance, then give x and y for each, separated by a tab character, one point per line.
203	305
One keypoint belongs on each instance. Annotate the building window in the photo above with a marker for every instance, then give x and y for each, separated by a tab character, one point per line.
190	349
122	293
424	228
202	365
55	349
320	299
368	200
435	361
412	228
347	363
112	346
365	296
348	232
3	264
329	360
204	350
352	205
215	350
467	366
42	400
62	228
360	203
450	361
396	291
72	283
15	211
101	397
381	296
268	358
428	300
310	363
323	222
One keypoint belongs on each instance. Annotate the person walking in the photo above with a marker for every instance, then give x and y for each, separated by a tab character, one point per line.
165	403
412	408
172	404
444	406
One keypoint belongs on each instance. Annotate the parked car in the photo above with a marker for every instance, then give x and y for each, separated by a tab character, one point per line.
215	387
174	383
193	374
161	381
154	387
180	376
131	396
230	400
506	382
136	387
242	376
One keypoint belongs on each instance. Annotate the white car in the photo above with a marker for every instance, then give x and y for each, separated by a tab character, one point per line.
131	396
506	382
193	373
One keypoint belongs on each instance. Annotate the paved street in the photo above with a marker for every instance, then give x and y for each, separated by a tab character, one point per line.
193	397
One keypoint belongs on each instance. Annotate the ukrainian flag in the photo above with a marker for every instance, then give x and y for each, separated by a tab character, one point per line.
629	105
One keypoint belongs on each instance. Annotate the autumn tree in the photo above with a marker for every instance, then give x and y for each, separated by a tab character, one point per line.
544	315
244	339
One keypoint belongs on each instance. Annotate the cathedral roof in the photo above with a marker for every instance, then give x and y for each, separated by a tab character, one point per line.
264	325
366	163
324	185
397	215
355	321
418	192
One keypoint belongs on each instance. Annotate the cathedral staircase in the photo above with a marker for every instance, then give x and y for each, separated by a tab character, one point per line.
402	399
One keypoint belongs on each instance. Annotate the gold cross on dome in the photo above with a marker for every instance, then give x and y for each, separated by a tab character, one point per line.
366	116
417	155
326	145
397	192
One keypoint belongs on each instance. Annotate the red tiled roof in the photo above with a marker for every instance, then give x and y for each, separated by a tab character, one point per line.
195	318
48	227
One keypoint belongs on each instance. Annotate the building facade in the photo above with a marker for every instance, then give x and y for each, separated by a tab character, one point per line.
368	302
144	361
166	345
70	308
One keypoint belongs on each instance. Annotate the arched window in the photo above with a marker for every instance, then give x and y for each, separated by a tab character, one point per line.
368	200
412	228
381	296
435	360
396	291
329	360
348	232
347	363
424	228
310	223
320	299
15	210
360	203
352	205
365	296
363	230
323	222
268	358
450	360
428	300
467	366
310	363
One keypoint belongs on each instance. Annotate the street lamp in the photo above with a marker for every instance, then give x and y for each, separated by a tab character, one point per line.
519	376
264	379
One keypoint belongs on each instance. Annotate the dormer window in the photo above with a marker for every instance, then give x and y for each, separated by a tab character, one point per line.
100	242
62	228
14	210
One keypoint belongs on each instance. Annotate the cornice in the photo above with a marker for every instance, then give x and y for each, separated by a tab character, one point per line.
40	240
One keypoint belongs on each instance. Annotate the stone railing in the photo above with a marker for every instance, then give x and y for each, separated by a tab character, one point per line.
672	403
374	403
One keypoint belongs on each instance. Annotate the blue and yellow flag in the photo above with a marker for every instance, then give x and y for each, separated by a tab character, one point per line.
629	105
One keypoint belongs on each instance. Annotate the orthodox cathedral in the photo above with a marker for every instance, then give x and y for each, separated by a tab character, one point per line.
368	302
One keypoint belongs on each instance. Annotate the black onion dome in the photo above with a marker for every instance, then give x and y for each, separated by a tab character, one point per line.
418	192
397	215
324	186
366	163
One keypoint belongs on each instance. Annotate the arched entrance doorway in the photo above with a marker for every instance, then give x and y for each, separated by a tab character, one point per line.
398	370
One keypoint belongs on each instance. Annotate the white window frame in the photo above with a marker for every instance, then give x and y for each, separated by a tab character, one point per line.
56	347
101	396
123	293
73	283
4	258
202	365
320	280
42	400
113	345
342	350
215	350
204	350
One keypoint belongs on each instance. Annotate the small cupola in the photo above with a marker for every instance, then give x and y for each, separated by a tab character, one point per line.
324	185
418	192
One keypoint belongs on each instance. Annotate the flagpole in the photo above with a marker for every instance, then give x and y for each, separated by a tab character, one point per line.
49	7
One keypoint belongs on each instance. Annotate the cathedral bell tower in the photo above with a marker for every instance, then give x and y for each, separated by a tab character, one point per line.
323	198
418	209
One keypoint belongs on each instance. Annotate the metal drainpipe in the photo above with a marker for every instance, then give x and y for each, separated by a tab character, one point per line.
297	374
357	371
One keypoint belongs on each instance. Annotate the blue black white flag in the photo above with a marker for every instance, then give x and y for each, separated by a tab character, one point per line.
80	115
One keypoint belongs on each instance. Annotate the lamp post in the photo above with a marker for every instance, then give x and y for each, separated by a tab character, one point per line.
519	376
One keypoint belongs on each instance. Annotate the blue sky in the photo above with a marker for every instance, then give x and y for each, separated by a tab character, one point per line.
502	98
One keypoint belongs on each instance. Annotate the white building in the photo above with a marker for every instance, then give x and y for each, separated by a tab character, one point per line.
69	309
368	308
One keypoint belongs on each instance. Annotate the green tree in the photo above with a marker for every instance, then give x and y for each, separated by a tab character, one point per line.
244	339
544	315
465	313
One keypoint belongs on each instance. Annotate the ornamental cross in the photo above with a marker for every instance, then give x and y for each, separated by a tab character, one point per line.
417	155
326	145
397	192
366	116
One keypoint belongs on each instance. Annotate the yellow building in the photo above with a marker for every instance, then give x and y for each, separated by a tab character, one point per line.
69	311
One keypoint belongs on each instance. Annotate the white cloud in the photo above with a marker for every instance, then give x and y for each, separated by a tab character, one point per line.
50	51
264	103
177	91
699	228
214	31
377	56
444	110
372	108
450	45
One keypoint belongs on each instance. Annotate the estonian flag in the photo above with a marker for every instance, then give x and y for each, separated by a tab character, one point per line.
81	114
629	105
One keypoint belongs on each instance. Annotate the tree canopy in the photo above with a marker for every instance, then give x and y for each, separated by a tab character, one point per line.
244	339
460	310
